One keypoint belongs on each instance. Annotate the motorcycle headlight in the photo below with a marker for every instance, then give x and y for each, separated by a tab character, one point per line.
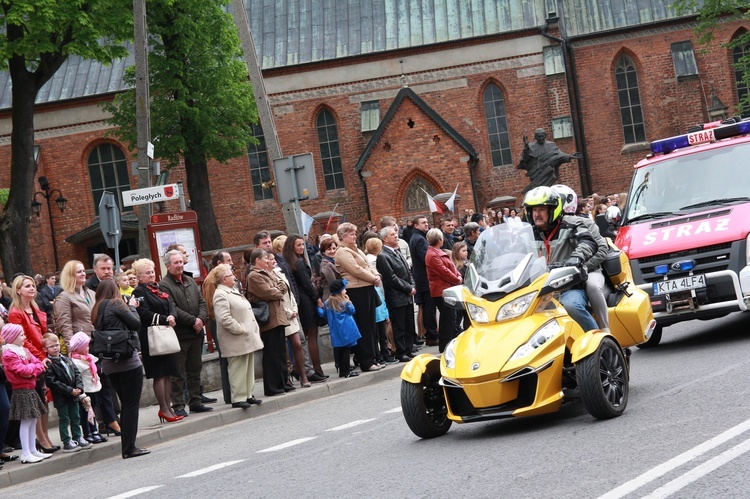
517	307
478	314
542	336
450	354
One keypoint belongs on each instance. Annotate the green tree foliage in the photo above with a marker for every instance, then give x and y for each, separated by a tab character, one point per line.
202	104
36	39
711	13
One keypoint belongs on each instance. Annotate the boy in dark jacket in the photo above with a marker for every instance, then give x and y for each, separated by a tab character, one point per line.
65	383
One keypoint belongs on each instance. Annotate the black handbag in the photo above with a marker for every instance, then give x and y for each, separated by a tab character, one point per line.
113	344
261	311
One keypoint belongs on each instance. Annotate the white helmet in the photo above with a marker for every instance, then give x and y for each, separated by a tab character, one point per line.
569	198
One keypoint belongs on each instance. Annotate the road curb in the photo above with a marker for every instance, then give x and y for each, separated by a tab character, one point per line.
151	432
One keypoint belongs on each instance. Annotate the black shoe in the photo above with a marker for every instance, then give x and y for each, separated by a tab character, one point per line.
324	376
241	405
136	452
352	374
392	360
275	394
253	401
419	342
180	412
201	408
316	378
404	358
295	375
207	400
432	343
90	439
99	439
289	388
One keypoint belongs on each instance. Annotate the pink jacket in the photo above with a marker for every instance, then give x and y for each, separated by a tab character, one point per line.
441	273
21	373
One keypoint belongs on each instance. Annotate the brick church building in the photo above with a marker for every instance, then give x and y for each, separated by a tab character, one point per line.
393	97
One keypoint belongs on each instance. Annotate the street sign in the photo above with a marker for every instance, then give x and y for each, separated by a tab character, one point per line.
150	195
303	169
109	220
150	150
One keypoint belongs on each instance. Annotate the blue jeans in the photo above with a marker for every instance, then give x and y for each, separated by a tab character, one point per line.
575	301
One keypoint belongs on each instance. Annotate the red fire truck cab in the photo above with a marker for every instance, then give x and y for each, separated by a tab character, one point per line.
686	222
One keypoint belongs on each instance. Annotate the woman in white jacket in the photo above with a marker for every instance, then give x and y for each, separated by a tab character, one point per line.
238	332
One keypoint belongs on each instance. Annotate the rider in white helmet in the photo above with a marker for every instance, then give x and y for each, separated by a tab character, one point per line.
595	282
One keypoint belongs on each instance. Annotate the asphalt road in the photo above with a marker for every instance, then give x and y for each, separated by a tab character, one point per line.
685	433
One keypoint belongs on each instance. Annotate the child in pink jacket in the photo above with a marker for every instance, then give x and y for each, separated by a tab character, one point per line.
22	370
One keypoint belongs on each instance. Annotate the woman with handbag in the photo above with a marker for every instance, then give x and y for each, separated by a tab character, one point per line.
111	313
264	285
238	332
73	311
156	308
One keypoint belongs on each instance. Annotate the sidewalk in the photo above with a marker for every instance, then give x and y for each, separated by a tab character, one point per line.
151	432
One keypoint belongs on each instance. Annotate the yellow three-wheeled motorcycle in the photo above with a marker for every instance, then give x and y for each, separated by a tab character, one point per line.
523	354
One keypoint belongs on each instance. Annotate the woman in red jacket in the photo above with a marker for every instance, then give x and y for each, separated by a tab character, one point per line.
25	312
441	274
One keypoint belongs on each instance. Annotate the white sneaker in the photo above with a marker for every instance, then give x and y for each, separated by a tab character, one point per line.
43	455
31	459
83	443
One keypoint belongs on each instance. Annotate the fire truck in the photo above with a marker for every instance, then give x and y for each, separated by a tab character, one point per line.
686	222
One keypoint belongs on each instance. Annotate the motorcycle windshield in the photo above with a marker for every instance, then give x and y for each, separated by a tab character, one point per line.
505	258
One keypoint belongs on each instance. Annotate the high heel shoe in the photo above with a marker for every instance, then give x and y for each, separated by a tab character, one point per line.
109	429
164	418
305	384
46	450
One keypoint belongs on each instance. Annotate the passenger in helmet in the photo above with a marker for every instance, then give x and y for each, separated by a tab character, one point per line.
566	240
596	281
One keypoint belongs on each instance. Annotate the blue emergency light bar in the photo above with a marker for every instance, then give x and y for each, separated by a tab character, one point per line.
710	133
680	266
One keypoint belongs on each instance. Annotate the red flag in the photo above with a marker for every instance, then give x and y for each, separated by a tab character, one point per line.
330	219
435	207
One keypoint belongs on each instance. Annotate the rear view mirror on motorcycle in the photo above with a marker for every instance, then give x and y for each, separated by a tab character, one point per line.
453	297
561	279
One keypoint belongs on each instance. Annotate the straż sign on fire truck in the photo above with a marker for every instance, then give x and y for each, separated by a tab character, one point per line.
686	223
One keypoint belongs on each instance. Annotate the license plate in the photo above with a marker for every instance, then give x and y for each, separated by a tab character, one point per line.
682	284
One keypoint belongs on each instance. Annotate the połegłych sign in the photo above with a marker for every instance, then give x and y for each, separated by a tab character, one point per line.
150	195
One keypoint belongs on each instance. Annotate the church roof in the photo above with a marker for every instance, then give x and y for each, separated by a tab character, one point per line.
404	93
293	32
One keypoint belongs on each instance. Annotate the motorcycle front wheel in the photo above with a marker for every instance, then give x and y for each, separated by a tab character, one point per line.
603	380
424	408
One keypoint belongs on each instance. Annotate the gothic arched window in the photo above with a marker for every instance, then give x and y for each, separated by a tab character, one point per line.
108	171
629	98
330	156
257	156
414	199
738	53
497	125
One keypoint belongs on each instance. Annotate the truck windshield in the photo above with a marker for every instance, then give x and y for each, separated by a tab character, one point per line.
695	181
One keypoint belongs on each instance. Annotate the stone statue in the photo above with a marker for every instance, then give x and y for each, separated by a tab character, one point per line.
542	159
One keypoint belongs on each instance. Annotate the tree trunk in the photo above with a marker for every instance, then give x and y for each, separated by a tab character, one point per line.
14	222
200	201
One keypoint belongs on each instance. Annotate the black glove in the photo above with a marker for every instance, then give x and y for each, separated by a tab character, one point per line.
574	261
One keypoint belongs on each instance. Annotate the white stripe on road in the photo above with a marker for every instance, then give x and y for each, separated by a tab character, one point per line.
351	425
397	409
700	471
288	444
135	492
210	469
664	468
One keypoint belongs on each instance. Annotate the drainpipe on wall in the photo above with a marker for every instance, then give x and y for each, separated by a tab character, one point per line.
367	199
575	107
473	160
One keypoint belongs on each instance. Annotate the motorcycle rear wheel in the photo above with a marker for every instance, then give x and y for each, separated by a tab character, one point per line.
603	380
424	408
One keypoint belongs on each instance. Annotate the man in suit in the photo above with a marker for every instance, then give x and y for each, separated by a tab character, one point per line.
46	294
418	247
399	293
103	270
